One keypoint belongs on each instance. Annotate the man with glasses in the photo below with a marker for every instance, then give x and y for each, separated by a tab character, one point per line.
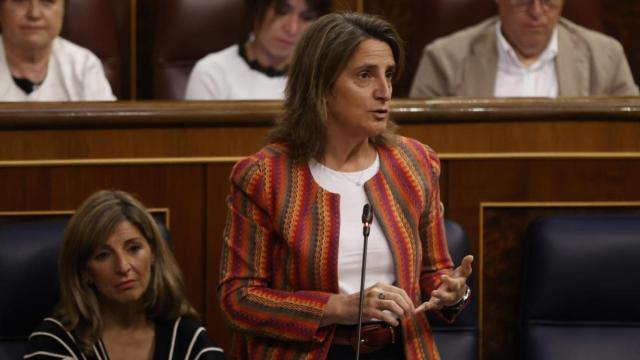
527	50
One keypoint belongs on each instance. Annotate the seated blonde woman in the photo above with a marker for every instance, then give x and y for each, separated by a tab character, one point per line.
36	64
121	291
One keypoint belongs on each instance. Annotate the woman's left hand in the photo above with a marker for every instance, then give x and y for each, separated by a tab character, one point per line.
452	288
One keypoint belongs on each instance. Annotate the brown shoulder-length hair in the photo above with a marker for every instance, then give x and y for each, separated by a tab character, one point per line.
89	228
319	58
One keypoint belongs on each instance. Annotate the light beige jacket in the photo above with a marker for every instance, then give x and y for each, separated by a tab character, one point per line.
464	64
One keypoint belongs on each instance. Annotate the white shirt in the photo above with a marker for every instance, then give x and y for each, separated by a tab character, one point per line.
73	74
516	80
380	264
225	75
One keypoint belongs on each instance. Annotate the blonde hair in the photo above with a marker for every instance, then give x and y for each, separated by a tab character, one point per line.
88	229
320	56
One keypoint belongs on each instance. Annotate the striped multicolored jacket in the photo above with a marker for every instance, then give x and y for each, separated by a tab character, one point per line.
280	251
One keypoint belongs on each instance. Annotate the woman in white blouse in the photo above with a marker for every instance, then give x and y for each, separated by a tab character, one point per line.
256	69
36	64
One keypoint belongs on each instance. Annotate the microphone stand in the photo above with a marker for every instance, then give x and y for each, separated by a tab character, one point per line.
367	218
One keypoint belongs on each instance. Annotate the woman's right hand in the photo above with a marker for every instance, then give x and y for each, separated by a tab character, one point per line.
343	309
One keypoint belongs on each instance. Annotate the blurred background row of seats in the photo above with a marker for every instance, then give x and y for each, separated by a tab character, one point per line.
148	47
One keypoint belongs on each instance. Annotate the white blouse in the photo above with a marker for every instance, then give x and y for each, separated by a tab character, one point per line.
380	263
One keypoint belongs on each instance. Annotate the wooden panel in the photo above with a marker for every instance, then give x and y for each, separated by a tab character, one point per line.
160	215
347	5
107	33
621	22
132	143
171	114
471	182
217	191
503	231
522	137
204	129
140	114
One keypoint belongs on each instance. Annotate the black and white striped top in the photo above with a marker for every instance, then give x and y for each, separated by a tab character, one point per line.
181	338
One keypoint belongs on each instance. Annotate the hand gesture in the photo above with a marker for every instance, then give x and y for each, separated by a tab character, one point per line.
343	309
452	288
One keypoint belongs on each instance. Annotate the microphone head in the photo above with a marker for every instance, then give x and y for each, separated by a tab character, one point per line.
367	214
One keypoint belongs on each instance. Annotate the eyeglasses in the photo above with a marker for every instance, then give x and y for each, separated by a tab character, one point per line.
546	4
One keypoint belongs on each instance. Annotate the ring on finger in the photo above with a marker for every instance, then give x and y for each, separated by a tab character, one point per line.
381	296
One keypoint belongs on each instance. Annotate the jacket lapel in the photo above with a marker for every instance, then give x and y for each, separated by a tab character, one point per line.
480	68
307	227
571	65
388	210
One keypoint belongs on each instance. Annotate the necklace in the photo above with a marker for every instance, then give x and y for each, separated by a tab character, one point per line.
350	177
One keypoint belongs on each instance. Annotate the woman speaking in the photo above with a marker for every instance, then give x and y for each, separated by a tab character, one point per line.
292	248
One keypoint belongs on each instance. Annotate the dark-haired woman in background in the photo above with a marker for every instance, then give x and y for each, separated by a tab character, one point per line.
121	291
292	247
256	70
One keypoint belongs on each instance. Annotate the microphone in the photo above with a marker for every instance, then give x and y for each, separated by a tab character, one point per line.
367	219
